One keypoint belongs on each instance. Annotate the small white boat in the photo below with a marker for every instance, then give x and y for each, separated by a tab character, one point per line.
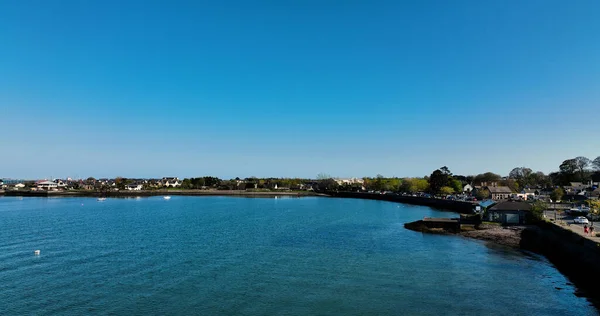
101	199
166	197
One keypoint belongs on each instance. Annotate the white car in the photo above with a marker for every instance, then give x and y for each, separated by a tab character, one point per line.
581	220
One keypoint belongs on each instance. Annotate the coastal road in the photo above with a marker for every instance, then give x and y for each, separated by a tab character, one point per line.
566	221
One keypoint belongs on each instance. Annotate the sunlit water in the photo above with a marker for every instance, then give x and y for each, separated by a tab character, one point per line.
258	256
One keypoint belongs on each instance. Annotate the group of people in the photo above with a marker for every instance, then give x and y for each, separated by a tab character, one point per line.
588	230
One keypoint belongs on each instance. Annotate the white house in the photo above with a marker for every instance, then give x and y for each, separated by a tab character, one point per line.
135	187
468	188
60	183
46	185
171	182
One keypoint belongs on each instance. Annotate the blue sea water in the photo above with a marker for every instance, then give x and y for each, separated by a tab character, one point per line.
259	256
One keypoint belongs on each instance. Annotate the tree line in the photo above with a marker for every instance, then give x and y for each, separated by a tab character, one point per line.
442	181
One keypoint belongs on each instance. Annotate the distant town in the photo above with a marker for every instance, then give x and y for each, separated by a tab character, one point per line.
578	179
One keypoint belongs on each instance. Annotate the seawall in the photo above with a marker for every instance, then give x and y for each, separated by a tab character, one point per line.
456	206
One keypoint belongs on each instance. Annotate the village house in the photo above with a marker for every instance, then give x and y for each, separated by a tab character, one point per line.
171	182
46	185
508	212
496	192
499	193
577	188
134	187
468	188
86	186
61	184
153	183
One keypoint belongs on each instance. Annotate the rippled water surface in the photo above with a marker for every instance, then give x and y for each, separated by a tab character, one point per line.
258	256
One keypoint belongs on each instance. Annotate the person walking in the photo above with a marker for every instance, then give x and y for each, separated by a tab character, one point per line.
585	229
592	230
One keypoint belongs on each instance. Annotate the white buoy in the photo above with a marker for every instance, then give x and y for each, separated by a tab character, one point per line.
37	252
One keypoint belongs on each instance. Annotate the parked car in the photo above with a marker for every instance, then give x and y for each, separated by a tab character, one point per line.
581	220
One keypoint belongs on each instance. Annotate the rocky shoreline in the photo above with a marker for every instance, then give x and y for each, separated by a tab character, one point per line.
510	236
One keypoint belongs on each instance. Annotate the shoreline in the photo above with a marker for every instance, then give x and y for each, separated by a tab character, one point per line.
508	236
160	193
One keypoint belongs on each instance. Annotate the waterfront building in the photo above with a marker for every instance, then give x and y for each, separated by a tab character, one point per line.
46	185
508	212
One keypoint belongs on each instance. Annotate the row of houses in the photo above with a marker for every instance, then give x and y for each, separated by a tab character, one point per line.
90	184
498	193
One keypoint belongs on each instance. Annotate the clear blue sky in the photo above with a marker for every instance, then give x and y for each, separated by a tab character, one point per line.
296	88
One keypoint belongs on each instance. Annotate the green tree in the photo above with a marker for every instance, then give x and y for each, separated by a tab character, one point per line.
537	210
456	185
120	183
414	185
568	169
582	163
512	184
539	179
446	171
437	180
594	206
212	181
393	184
446	190
522	175
557	194
198	183
327	184
378	183
486	177
482	194
596	163
186	184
